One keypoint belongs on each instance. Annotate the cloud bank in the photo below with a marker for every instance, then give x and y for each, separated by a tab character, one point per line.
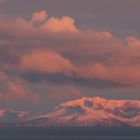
55	52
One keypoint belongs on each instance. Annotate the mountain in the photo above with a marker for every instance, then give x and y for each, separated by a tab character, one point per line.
93	112
8	116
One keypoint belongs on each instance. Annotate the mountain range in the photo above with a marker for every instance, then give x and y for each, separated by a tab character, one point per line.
84	112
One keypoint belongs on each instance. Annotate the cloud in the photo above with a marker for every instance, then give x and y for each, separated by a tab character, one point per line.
3	42
57	47
38	27
39	17
2	76
17	27
61	79
14	89
45	61
66	24
123	75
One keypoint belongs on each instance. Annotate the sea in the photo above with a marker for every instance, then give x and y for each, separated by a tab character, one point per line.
69	133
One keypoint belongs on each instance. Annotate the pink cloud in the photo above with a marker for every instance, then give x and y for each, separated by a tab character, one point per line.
16	89
53	63
2	76
125	75
39	26
66	24
39	17
45	61
17	27
58	46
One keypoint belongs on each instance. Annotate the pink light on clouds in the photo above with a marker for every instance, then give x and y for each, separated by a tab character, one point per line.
52	45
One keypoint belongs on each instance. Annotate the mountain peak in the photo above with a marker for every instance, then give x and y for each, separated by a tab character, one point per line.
94	111
80	102
84	101
98	103
99	98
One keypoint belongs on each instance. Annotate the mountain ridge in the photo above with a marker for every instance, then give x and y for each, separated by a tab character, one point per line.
83	112
93	112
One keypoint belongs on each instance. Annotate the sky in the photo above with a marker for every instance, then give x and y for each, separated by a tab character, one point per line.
52	51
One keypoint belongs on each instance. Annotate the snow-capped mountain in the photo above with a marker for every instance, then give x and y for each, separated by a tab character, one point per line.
11	116
94	112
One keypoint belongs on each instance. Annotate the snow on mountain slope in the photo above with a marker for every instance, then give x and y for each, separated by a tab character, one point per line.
11	116
90	112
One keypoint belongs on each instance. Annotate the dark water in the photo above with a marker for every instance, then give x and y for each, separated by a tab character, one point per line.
69	134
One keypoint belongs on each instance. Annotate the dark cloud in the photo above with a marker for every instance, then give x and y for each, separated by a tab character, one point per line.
9	56
61	79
